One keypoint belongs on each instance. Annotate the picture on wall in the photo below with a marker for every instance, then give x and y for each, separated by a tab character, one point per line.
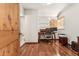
61	23
53	23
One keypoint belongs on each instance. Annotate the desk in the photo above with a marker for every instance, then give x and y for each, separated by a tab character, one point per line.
42	36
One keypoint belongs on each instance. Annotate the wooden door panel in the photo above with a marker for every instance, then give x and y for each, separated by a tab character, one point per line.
7	37
7	21
9	29
9	17
2	15
13	16
10	50
1	52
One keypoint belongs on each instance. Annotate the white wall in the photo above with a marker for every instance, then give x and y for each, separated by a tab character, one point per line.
71	22
43	22
52	9
31	33
21	10
22	20
31	28
22	38
28	26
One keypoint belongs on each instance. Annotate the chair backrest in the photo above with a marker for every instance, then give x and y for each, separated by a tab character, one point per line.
48	31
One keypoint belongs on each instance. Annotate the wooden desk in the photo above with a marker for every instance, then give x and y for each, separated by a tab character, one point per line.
42	37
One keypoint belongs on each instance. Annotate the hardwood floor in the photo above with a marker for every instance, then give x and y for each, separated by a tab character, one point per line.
46	49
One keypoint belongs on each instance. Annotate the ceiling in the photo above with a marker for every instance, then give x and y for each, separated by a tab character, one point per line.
50	9
33	5
41	5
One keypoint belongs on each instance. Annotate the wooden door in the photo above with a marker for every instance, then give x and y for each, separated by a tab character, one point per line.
9	29
2	16
12	16
10	20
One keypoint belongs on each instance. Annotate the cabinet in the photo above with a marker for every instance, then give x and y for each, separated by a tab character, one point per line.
9	29
78	39
63	41
78	43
